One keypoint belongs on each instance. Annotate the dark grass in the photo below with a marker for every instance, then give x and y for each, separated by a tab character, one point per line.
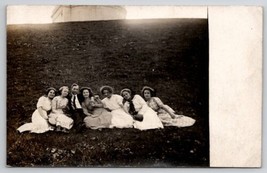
168	54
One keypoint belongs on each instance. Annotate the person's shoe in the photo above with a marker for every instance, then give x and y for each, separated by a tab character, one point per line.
58	129
64	130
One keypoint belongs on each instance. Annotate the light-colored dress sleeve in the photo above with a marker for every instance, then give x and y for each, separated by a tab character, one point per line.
41	102
142	104
126	107
161	105
54	104
104	103
119	100
158	101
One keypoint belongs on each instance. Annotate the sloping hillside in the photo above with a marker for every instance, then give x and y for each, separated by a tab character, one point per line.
168	54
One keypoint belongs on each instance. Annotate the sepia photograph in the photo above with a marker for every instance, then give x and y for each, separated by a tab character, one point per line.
124	86
107	86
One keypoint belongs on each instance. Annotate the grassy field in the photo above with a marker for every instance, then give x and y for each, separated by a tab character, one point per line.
169	54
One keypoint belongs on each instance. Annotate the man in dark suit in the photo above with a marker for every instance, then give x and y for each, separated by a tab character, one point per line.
75	100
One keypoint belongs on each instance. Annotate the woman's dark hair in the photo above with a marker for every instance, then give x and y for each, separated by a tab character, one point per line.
91	94
49	89
152	91
109	88
97	94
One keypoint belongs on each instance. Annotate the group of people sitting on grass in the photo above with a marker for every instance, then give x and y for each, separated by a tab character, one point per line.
81	109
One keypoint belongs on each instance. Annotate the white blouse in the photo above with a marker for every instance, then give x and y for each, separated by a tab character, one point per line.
139	104
113	103
59	103
45	103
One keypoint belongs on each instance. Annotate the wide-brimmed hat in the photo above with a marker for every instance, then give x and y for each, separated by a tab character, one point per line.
106	87
147	88
127	90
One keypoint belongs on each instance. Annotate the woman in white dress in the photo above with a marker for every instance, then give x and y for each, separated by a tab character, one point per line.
113	103
39	122
166	114
59	116
145	118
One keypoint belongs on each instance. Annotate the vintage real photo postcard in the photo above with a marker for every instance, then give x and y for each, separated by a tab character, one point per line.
134	86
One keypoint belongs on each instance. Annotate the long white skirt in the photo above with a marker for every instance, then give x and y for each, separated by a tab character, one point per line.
38	124
60	119
150	121
179	120
121	119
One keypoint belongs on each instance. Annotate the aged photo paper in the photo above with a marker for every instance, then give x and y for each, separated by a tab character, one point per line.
201	67
235	86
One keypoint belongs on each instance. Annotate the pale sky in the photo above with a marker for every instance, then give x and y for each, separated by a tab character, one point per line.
42	14
29	14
